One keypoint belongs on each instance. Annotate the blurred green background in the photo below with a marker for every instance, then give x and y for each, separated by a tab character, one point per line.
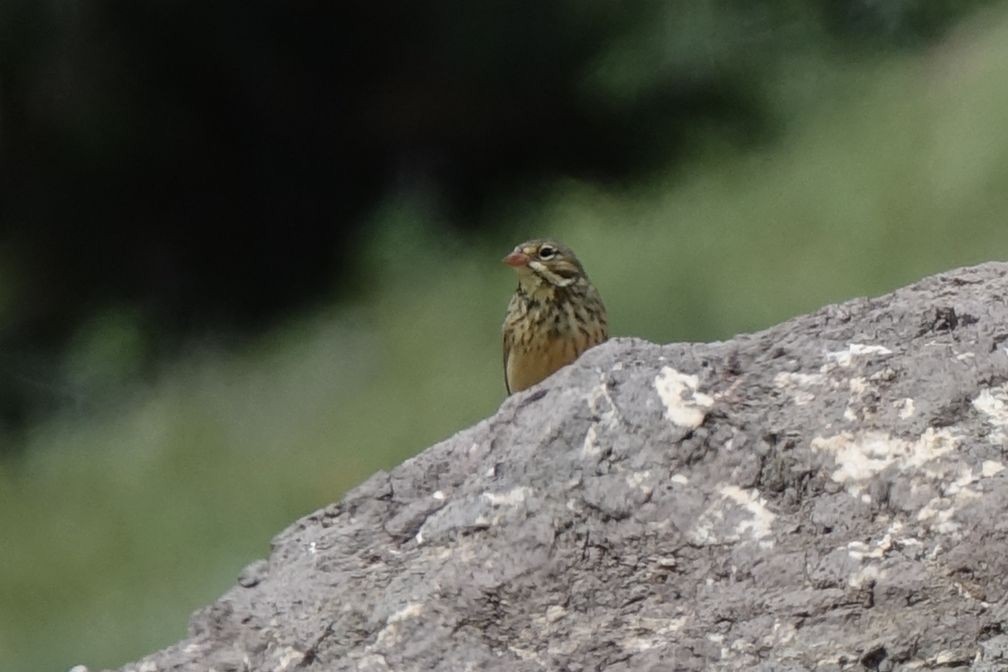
718	167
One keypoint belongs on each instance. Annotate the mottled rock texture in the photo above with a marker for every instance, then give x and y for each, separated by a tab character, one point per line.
829	494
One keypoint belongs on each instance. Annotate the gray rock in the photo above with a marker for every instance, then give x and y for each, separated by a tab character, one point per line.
828	494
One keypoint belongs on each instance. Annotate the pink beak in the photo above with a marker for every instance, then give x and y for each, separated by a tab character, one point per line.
516	259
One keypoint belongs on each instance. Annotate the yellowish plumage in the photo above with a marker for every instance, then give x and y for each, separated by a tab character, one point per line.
554	315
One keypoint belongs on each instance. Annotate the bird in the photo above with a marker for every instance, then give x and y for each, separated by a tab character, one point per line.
554	315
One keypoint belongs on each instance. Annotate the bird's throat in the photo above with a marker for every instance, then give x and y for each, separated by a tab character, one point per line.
536	287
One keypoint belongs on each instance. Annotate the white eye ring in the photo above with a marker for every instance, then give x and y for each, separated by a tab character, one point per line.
546	252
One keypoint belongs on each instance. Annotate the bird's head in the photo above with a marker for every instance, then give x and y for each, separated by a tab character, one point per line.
544	263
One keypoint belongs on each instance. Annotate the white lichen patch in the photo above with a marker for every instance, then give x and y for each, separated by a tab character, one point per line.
639	479
650	632
991	468
857	386
792	379
389	635
371	662
554	613
287	657
601	406
860	456
798	384
591	446
906	408
857	458
703	532
938	515
993	402
865	575
909	542
963	480
760	525
844	358
781	633
756	523
685	406
411	610
939	512
513	497
858	550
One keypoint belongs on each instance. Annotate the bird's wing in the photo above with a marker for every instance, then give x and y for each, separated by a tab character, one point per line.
507	351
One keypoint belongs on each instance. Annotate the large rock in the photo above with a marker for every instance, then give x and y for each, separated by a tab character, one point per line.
829	494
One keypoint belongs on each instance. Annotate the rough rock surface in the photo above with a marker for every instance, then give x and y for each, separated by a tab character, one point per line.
828	494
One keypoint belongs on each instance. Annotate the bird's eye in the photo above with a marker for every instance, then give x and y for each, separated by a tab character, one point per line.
546	252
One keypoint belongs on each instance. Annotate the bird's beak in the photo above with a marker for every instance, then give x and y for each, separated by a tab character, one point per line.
516	259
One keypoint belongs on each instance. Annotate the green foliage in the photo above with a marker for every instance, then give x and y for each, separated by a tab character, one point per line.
117	524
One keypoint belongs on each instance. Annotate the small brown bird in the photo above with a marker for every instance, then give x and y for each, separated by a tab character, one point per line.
554	315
